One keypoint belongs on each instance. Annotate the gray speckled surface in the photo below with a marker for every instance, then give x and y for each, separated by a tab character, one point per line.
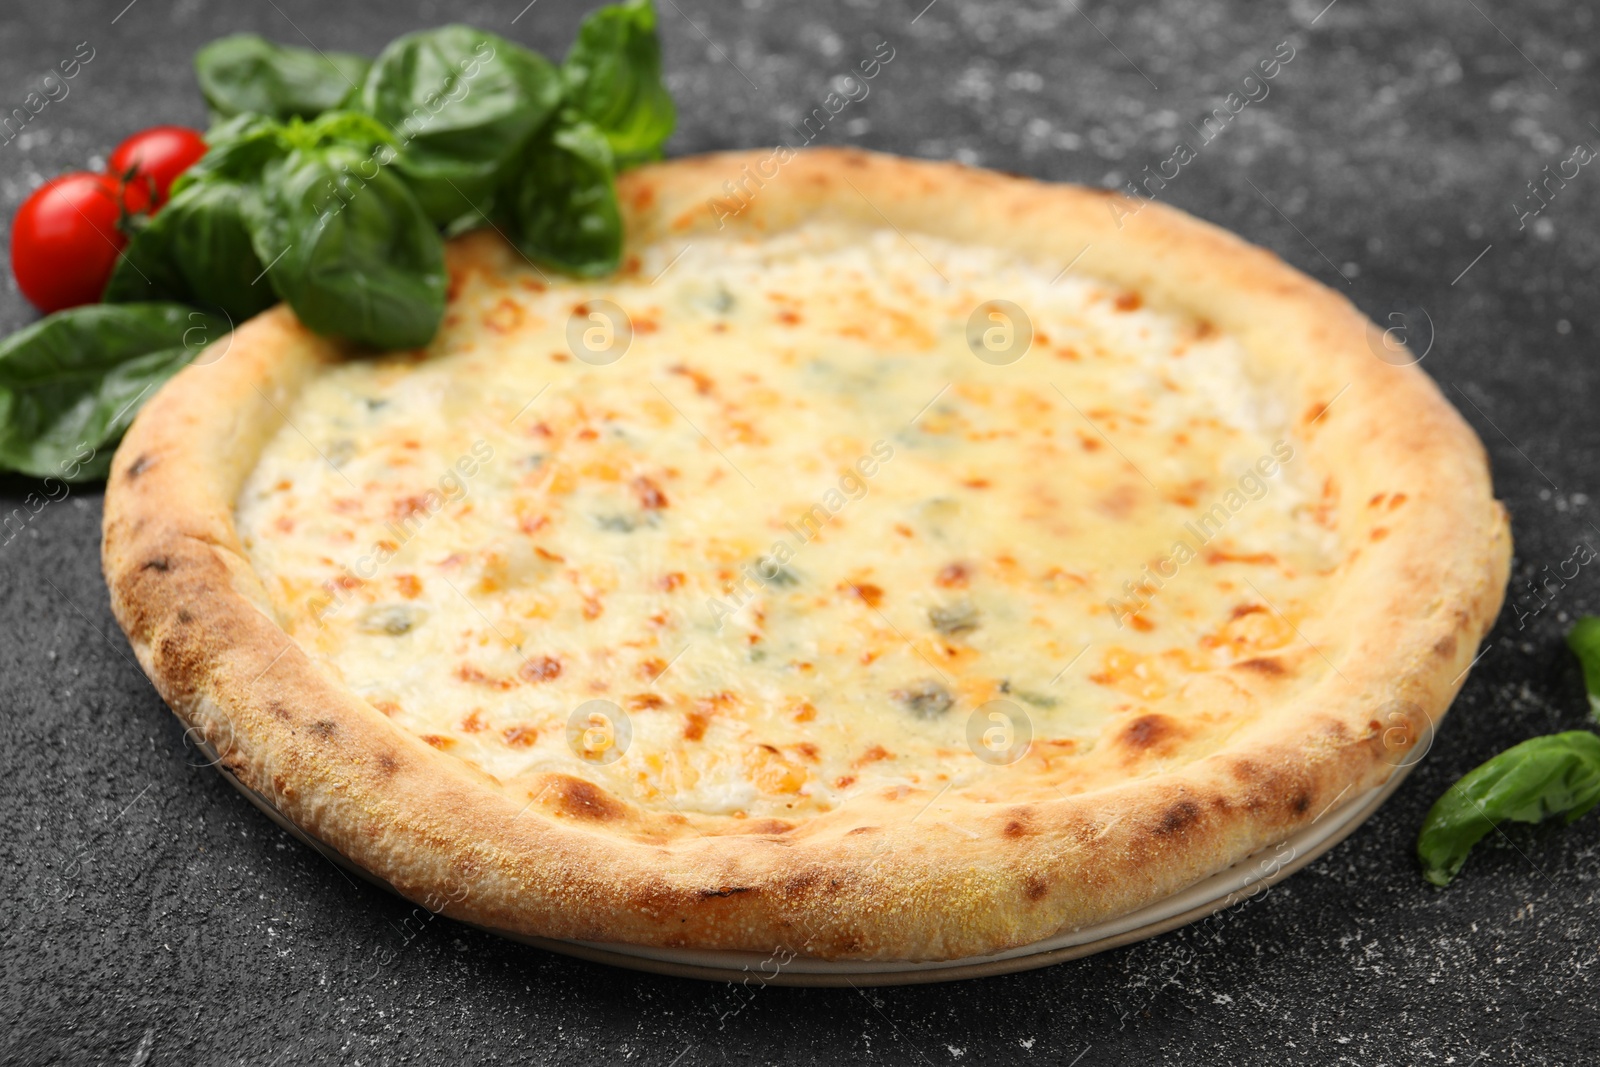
153	917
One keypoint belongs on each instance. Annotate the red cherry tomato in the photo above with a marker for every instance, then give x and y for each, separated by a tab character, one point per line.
66	238
157	156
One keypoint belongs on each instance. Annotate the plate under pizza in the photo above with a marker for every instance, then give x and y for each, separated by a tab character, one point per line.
894	563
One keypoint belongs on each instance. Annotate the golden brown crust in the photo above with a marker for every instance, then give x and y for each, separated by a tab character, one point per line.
871	882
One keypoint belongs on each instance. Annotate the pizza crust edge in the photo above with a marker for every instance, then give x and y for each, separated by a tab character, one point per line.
1411	613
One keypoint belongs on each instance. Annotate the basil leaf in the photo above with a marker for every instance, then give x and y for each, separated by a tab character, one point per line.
71	383
196	250
1558	774
561	208
349	248
1584	640
236	150
613	77
461	103
247	73
347	127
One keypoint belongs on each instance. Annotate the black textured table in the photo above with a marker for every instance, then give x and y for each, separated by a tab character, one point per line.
153	917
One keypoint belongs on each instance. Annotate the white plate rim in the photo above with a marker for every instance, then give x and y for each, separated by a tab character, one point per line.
1241	881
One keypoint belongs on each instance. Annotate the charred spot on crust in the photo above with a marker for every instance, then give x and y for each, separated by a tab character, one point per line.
1147	731
324	728
1445	647
1178	818
1301	802
177	658
140	465
1246	770
725	891
278	710
1035	888
185	616
1262	665
585	800
1018	824
158	563
388	764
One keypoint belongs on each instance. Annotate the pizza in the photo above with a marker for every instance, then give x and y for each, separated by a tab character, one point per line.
894	560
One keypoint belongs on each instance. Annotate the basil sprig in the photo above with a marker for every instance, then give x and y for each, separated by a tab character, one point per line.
315	217
1558	774
325	185
347	245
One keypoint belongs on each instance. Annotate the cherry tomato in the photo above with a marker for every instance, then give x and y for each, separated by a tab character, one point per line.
157	156
66	237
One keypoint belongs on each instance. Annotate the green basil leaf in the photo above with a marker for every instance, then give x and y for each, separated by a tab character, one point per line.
1558	774
349	248
561	206
1584	640
145	270
236	150
197	250
71	383
461	103
336	127
247	73
613	77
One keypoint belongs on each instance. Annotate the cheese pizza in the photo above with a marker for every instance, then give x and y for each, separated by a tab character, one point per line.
896	561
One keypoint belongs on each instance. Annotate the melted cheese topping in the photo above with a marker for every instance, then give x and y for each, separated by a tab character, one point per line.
799	541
